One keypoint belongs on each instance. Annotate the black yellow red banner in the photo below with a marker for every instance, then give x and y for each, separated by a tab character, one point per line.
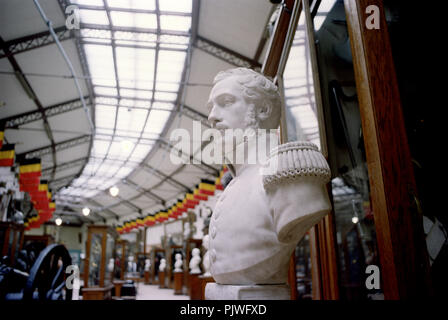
7	155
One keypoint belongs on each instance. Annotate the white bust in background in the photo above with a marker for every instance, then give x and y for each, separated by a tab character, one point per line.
178	263
195	261
110	265
147	264
260	216
206	258
132	266
187	230
162	265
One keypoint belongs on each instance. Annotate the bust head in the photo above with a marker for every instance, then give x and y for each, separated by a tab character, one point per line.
178	256
195	252
205	241
242	98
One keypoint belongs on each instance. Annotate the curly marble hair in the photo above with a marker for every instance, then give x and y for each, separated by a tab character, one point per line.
261	93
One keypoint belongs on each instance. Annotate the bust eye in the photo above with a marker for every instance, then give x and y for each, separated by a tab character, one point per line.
228	101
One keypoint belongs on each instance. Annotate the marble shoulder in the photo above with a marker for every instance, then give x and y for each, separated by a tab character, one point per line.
293	162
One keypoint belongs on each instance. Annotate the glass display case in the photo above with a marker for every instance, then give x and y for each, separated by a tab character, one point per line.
120	259
140	259
98	273
11	240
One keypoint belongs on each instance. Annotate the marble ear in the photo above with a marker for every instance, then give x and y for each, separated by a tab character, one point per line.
264	110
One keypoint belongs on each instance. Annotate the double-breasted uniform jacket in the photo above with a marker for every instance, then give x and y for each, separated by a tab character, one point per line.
244	229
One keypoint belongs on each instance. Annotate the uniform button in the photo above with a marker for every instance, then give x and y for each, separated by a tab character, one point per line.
213	232
213	255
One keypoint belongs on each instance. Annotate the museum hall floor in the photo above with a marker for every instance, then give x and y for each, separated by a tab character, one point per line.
153	292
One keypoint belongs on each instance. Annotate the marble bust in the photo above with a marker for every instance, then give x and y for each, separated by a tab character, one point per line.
195	261
132	266
206	258
178	263
110	265
273	208
162	265
187	231
147	264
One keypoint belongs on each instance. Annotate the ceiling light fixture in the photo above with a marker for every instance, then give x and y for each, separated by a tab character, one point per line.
355	220
114	191
86	211
58	221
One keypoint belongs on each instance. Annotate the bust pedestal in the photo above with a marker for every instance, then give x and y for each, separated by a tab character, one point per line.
178	282
204	280
162	279
118	284
147	281
214	291
195	287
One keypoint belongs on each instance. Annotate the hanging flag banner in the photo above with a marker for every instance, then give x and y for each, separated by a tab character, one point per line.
7	153
2	133
207	187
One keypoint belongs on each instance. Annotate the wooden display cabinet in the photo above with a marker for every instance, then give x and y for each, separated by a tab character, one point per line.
11	240
120	259
140	258
100	248
155	253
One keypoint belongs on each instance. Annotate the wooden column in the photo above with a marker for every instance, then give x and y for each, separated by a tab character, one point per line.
178	282
162	279
403	256
195	289
275	50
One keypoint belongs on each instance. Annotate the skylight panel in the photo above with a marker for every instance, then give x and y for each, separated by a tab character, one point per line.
90	168
88	2
134	20
175	6
95	34
102	131
136	119
134	103
124	119
93	16
133	4
137	44
175	23
107	91
79	181
140	152
165	86
136	36
170	65
124	172
135	67
165	96
100	148
130	93
163	105
105	116
101	64
90	193
95	182
117	151
173	39
156	121
107	171
106	101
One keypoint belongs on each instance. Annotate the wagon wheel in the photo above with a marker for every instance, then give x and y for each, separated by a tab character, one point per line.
47	276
